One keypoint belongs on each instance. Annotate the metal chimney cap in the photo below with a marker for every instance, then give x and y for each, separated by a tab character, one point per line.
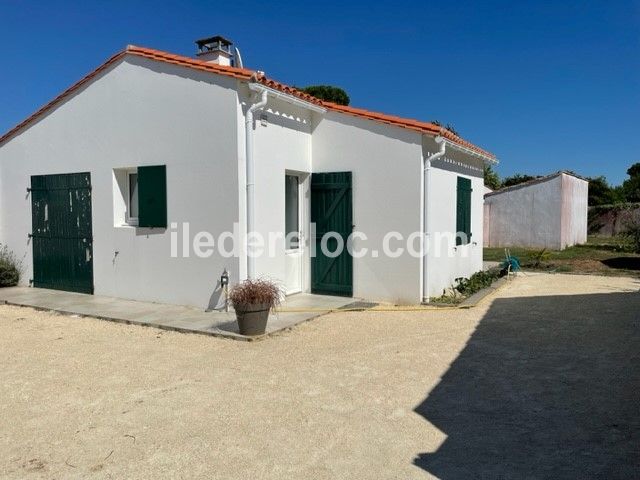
217	38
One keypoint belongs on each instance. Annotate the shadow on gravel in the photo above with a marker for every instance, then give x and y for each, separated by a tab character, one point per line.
547	387
625	263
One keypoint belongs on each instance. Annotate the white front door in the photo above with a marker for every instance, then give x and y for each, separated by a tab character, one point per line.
293	234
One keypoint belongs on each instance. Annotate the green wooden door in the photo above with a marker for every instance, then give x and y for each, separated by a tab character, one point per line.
331	211
62	232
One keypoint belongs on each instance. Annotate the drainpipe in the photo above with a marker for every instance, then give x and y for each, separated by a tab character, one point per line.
251	261
426	202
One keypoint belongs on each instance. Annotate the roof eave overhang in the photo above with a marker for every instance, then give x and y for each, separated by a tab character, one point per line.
486	158
469	151
286	97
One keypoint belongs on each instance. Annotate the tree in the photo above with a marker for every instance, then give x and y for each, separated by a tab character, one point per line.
328	93
491	178
517	179
634	170
617	194
600	192
631	186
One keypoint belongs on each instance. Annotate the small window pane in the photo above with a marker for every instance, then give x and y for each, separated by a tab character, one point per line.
292	215
133	195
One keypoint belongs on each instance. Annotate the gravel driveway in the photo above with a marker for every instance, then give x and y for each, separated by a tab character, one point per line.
541	381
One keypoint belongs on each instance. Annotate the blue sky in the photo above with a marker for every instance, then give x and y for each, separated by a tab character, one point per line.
544	85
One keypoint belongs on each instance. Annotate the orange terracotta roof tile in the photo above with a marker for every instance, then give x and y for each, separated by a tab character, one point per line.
235	72
248	75
240	73
411	124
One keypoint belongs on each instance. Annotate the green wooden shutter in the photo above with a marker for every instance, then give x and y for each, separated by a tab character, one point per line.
152	196
463	209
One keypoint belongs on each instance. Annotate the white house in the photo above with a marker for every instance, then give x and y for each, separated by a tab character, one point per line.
547	212
105	189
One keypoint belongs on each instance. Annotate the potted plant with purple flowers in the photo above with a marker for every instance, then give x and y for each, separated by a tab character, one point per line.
252	300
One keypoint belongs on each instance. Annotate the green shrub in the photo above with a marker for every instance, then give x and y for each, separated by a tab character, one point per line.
539	258
9	268
632	233
477	281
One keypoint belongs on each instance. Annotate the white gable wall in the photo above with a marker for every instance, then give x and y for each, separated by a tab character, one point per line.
139	112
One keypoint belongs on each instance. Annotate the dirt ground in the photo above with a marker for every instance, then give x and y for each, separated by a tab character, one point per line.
540	381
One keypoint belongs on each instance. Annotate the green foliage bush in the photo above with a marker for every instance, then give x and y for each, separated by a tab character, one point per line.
601	193
477	281
632	233
9	268
539	258
491	178
517	179
631	186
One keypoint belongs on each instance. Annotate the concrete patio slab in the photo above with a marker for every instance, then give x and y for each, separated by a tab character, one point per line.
296	309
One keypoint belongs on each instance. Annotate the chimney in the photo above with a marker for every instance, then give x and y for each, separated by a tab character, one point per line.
215	50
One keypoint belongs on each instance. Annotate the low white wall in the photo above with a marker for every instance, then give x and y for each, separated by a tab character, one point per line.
385	163
138	112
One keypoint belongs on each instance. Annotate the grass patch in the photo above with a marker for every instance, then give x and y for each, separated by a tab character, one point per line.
602	255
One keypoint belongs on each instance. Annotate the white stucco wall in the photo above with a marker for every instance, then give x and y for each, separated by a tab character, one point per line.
445	261
281	146
385	163
141	112
527	216
138	112
575	200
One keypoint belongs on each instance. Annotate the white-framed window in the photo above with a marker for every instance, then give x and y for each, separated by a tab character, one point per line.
132	197
292	212
140	196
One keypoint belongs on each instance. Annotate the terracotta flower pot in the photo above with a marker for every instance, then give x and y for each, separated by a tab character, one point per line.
252	318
